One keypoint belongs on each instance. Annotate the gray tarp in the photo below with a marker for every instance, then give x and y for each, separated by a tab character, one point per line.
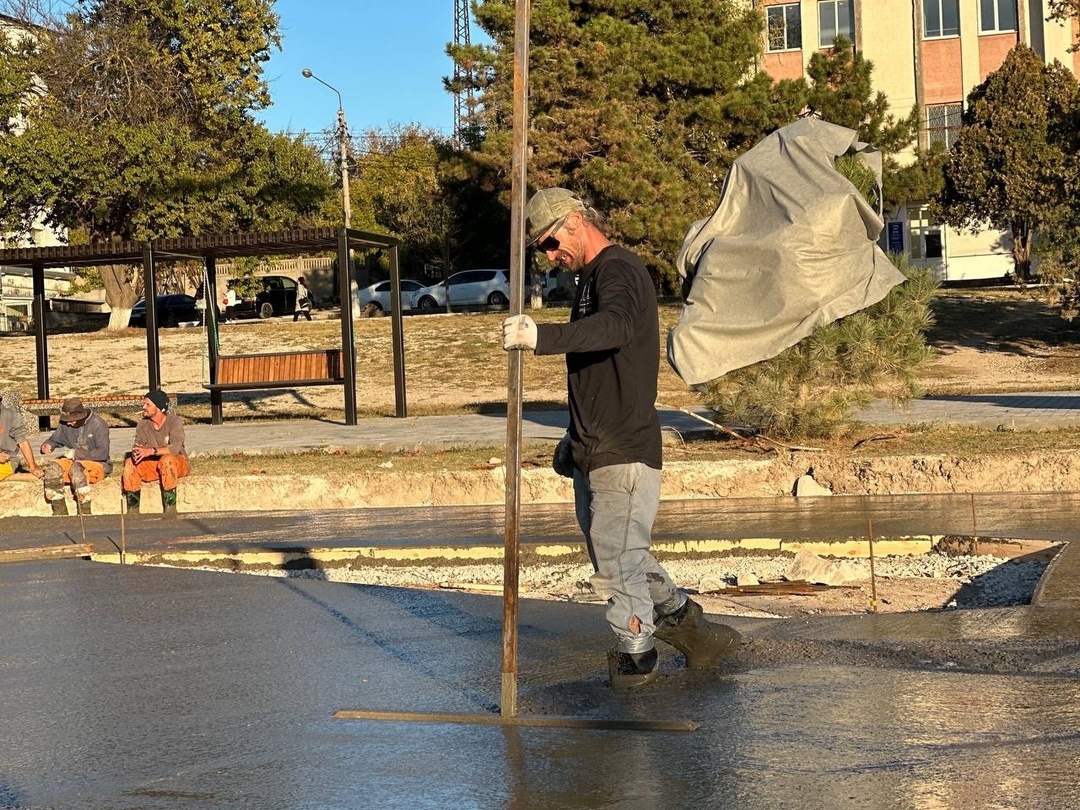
791	245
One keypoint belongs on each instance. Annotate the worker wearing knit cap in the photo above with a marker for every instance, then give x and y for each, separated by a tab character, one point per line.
157	455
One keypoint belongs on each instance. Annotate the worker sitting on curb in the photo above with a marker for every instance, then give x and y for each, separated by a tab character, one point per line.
82	439
14	437
157	455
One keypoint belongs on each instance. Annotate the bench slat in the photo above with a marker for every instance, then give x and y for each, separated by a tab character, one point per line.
268	370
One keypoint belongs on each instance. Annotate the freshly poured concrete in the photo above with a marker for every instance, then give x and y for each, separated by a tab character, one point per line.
138	687
132	687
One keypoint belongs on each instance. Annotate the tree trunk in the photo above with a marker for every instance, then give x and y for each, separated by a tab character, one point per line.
1021	234
120	293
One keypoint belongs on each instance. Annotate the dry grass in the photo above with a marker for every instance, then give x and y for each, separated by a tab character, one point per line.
986	341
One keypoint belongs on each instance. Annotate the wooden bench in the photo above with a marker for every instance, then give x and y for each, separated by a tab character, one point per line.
46	409
250	372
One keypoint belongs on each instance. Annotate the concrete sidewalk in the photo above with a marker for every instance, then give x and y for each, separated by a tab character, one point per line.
1007	411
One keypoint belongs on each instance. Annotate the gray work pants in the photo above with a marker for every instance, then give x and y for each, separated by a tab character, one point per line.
616	507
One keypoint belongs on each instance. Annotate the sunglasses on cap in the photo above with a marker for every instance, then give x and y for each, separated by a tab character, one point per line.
549	243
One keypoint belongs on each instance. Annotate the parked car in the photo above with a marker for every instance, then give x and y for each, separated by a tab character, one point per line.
277	297
378	295
172	309
467	287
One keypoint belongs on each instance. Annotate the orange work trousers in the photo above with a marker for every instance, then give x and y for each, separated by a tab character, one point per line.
167	469
95	470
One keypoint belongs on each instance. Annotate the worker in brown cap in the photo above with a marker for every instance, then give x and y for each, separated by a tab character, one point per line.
157	455
81	441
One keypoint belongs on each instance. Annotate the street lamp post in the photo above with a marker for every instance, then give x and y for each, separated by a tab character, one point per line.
343	142
346	202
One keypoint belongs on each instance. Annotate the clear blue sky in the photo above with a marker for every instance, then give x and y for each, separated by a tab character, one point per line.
387	58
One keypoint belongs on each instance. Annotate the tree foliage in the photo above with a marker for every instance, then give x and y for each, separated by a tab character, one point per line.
1063	11
628	105
134	121
643	106
1011	164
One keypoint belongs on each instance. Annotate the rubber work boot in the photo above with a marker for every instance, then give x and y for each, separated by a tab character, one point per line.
168	502
59	506
703	643
631	670
133	499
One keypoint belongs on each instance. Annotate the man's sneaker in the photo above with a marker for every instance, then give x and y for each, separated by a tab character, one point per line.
703	643
630	670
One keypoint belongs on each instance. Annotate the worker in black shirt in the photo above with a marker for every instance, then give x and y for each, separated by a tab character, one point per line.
612	449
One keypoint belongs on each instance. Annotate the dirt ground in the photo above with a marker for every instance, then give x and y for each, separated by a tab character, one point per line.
985	341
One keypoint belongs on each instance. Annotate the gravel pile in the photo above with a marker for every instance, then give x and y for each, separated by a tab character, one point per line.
995	582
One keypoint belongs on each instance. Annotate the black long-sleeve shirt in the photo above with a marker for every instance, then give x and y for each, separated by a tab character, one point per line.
612	348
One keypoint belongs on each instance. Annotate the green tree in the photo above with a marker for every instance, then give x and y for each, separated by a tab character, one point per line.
1011	164
138	124
628	104
643	106
841	92
398	189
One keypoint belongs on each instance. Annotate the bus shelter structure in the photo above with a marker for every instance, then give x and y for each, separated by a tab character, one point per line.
208	250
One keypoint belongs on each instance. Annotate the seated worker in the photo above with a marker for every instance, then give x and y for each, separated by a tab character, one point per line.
14	437
157	455
82	439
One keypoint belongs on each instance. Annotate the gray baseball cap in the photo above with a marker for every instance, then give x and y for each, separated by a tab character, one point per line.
546	207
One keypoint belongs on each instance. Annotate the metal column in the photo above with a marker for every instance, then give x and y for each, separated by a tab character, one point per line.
153	352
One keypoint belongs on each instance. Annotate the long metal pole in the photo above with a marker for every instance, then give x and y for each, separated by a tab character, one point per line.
508	705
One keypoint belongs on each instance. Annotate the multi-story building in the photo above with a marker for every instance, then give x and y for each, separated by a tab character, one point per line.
927	54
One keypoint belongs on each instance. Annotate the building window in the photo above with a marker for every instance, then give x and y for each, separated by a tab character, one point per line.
835	18
943	123
997	15
941	18
925	235
785	27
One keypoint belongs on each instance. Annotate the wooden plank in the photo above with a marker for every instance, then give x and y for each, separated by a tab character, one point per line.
315	365
66	551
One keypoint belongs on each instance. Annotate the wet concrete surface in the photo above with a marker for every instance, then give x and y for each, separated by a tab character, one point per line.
138	687
134	687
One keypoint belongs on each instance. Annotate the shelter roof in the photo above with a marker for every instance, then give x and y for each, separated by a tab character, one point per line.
229	245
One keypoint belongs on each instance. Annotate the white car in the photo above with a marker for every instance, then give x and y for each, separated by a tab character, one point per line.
467	287
378	294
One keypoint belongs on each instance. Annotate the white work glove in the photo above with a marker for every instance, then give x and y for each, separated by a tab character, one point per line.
519	332
563	460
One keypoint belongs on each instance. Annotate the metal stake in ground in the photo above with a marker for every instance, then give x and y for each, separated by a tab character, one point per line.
873	579
123	538
974	526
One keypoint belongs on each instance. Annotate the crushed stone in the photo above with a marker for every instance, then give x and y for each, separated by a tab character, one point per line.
997	582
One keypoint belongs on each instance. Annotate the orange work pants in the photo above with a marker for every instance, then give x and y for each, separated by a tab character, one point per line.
167	469
95	470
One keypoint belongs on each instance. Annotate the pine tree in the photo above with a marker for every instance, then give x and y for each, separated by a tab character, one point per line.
1011	164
